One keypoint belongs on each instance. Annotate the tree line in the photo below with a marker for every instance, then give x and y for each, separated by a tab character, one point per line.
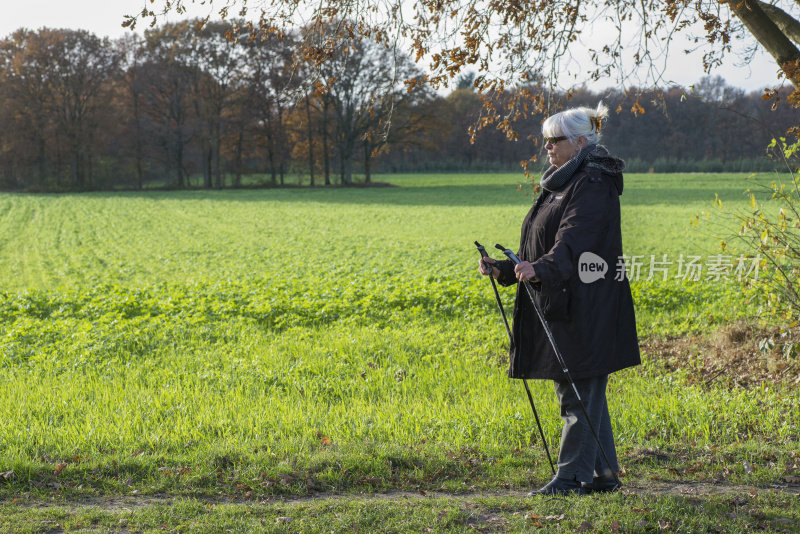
197	105
708	127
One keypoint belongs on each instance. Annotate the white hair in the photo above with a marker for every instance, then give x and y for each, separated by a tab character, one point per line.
576	122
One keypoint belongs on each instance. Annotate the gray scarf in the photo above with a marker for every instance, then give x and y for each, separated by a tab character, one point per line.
555	178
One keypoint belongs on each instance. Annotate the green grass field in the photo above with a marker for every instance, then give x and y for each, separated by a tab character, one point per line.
237	346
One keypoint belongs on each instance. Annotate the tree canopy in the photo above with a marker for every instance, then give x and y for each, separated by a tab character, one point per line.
525	44
200	104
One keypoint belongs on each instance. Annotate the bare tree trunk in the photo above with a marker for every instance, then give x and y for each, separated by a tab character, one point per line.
367	156
89	169
217	158
325	152
167	166
138	141
770	36
73	169
42	161
138	146
239	151
787	23
346	149
59	164
179	163
310	141
206	164
280	138
271	155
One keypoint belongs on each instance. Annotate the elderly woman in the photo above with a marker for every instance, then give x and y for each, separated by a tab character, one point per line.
571	251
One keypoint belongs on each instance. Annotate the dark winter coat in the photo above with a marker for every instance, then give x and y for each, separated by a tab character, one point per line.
592	320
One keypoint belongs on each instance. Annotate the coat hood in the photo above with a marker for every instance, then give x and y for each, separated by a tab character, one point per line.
599	158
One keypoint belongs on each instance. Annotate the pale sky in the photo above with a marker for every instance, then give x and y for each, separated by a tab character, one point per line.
104	18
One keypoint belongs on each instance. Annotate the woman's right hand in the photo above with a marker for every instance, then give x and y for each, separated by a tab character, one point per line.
486	267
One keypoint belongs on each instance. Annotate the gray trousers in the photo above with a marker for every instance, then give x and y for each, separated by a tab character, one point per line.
579	457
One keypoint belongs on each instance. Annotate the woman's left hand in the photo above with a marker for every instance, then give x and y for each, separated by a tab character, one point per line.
524	271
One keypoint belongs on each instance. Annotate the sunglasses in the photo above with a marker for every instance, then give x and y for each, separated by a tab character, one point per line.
554	140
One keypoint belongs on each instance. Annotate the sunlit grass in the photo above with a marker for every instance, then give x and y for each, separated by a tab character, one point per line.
184	340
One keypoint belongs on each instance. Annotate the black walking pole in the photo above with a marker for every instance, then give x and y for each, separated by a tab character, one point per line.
484	254
513	257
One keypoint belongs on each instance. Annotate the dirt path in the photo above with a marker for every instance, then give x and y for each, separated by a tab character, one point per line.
654	488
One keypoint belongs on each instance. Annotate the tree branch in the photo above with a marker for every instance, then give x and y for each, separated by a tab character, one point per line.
769	35
789	25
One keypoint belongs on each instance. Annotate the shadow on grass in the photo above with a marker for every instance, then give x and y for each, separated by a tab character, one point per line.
438	195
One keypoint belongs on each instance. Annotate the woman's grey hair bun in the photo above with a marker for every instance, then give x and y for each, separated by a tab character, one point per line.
577	122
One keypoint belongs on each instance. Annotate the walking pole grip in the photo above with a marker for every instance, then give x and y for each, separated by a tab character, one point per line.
508	252
485	254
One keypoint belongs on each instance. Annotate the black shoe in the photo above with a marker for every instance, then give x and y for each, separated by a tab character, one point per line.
601	485
559	486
